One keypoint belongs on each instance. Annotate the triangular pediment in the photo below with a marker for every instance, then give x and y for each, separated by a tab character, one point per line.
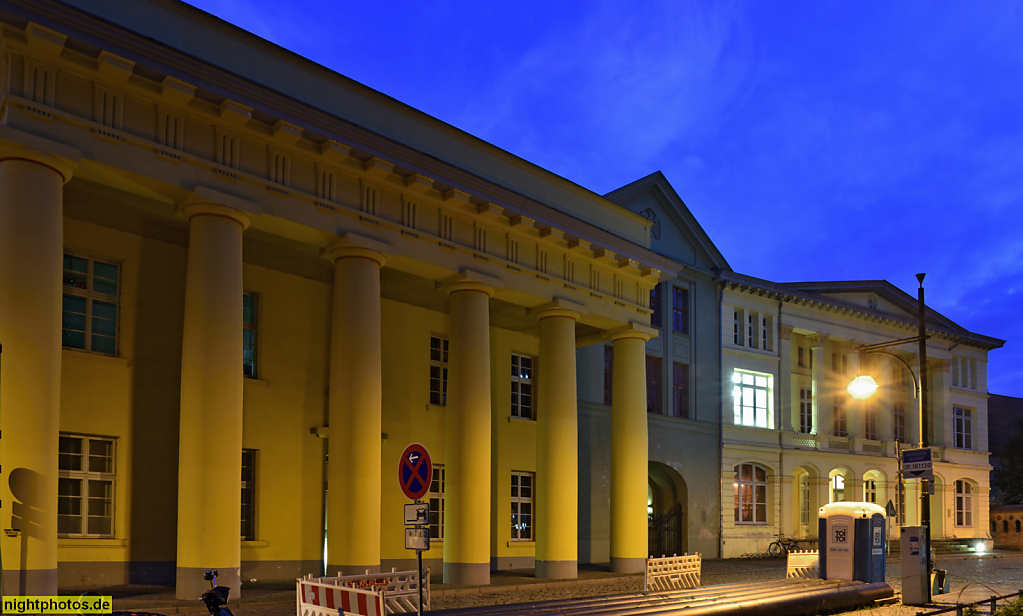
675	233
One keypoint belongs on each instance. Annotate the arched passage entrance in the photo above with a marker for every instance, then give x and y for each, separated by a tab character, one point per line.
667	506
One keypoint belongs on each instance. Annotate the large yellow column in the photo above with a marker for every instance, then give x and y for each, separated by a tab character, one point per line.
629	455
467	437
31	253
210	436
823	399
557	447
353	448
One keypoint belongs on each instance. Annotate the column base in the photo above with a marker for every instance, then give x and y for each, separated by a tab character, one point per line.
467	574
333	570
628	565
30	582
190	584
557	569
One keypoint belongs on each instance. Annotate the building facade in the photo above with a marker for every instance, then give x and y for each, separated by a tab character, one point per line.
794	439
220	261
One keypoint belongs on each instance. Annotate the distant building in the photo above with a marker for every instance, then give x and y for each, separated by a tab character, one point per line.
1007	526
1005	416
794	440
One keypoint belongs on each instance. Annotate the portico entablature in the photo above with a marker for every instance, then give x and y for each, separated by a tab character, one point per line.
160	139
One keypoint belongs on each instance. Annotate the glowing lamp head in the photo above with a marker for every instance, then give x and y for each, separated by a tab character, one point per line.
862	387
979	548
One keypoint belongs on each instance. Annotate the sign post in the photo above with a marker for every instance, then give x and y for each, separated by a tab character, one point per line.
415	472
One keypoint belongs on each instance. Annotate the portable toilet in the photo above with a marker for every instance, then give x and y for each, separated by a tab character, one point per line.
852	541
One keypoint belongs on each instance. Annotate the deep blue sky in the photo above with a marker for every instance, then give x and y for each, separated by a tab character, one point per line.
813	140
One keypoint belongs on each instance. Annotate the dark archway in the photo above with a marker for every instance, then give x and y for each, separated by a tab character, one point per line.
667	510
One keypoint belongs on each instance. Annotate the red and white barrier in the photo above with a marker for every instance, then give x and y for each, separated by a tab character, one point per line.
319	599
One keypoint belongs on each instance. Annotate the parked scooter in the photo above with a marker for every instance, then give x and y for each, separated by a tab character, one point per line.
216	597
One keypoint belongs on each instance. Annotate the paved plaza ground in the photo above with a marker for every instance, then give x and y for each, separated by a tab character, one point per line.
973	578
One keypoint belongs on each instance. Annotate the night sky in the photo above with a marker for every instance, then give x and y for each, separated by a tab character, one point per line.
812	140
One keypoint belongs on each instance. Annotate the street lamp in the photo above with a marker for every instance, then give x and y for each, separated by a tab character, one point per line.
864	385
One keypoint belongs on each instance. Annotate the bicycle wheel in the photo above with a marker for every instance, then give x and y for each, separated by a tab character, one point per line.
774	549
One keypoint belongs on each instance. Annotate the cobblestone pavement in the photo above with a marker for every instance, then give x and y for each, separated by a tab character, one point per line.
972	578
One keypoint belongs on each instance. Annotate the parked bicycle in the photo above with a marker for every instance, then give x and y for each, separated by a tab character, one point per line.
782	546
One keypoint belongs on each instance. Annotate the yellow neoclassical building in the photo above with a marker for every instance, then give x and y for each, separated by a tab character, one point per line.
219	260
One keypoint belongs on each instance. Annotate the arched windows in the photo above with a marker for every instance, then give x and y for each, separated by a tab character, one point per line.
750	487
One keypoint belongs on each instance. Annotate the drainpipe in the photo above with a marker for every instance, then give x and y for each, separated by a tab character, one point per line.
721	410
780	424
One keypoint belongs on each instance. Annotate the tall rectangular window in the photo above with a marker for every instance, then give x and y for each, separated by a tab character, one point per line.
679	310
522	386
85	486
653	384
805	411
680	390
89	305
899	421
870	491
870	422
962	427
804	501
609	364
751	340
438	370
801	356
437	503
736	330
521	506
765	338
752	395
655	306
963	503
750	487
249	335
841	428
248	494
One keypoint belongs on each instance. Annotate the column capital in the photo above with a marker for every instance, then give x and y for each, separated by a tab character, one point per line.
469	280
558	308
632	330
206	208
817	340
62	166
354	245
784	331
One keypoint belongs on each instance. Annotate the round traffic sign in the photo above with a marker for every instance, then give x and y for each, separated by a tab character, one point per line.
415	470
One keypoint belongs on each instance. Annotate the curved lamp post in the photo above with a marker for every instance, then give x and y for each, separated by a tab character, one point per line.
864	386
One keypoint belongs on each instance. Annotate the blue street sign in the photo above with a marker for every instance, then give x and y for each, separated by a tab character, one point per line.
916	463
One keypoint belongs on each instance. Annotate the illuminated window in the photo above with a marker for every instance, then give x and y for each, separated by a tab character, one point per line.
437	503
85	486
750	488
249	335
837	488
653	384
248	494
521	506
438	371
962	427
752	397
870	491
522	386
679	310
964	503
680	390
805	411
89	305
870	422
804	500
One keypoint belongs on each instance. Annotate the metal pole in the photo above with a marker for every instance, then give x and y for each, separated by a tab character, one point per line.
925	498
419	557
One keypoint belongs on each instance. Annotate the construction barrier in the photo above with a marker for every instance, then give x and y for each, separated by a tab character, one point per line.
371	594
672	573
803	564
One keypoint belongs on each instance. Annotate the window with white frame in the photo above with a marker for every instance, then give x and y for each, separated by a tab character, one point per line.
438	370
437	503
870	421
837	488
840	425
964	503
899	421
870	490
962	427
89	305
752	397
85	486
249	335
522	386
522	506
805	411
248	526
750	487
804	500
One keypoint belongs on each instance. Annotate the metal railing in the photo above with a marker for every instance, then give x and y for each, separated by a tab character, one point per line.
959	608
